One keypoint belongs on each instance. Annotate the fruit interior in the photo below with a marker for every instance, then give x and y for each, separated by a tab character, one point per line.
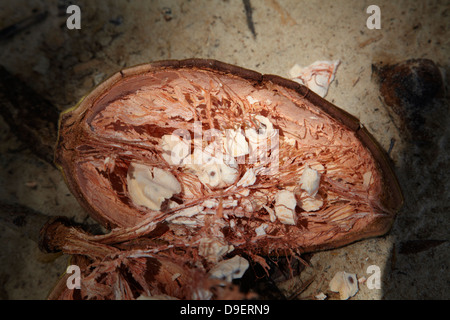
119	139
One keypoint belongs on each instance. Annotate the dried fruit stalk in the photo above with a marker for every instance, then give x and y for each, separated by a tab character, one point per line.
228	159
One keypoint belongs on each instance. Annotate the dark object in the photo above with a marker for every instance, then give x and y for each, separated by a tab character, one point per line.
31	118
249	15
116	21
415	246
167	13
410	89
257	279
14	29
22	219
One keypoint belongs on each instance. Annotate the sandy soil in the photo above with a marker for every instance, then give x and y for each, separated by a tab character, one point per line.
63	65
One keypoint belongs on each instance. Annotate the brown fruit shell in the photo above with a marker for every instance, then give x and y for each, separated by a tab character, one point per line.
391	195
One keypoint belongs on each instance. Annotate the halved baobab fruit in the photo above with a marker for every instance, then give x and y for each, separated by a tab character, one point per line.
227	159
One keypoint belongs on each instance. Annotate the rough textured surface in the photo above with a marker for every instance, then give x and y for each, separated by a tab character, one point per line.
63	65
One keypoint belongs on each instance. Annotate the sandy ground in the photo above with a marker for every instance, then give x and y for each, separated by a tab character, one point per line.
63	65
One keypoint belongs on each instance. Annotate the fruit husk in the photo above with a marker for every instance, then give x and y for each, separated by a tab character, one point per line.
129	226
391	194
